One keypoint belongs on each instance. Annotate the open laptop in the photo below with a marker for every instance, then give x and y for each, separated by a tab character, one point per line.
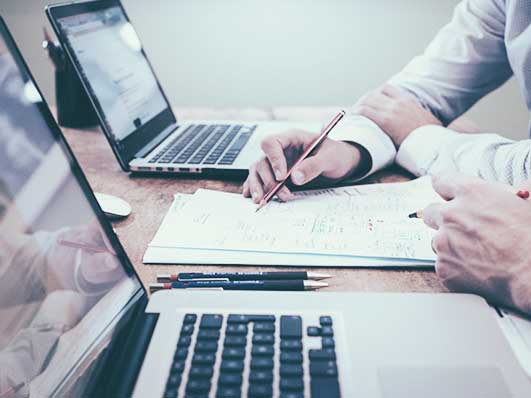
132	108
75	320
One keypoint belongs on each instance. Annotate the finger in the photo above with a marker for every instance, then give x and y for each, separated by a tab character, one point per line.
255	185
450	184
370	113
245	191
274	148
432	215
440	244
268	180
392	91
309	169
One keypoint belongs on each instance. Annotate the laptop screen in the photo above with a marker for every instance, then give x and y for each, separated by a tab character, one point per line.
62	276
109	53
109	58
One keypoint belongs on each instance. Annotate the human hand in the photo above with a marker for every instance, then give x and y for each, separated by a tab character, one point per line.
333	160
396	113
482	240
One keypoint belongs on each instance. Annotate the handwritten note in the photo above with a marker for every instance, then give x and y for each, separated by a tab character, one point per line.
369	221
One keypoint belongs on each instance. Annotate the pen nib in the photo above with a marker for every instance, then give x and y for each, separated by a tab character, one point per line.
317	276
314	285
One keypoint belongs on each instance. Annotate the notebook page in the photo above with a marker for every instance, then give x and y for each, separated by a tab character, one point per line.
366	220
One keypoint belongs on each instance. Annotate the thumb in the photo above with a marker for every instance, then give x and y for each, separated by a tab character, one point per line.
309	169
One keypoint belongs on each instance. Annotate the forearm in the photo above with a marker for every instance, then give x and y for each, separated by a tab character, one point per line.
433	149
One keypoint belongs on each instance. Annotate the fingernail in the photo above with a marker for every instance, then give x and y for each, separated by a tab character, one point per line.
297	177
254	194
278	174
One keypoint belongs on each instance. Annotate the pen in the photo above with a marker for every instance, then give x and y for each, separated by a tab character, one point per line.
240	285
76	245
313	146
242	276
524	194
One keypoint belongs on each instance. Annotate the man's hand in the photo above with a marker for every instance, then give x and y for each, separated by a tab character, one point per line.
482	241
396	113
333	160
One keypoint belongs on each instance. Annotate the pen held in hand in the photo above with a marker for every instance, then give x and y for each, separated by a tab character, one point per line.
523	194
311	148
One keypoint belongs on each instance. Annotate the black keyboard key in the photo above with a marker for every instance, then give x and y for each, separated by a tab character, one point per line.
291	370
261	376
260	390
291	394
177	367
328	342
263	350
291	357
174	381
206	346
231	366
181	354
264	327
190	318
264	339
261	318
313	331
237	318
208	334
198	386
230	379
211	321
325	320
184	341
327	331
324	387
234	353
290	327
291	384
236	329
327	354
187	329
291	345
197	372
235	341
323	368
203	359
229	392
262	363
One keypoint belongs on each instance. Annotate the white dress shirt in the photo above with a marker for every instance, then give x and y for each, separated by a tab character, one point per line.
486	43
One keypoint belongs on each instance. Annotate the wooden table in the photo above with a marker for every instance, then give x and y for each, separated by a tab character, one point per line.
151	197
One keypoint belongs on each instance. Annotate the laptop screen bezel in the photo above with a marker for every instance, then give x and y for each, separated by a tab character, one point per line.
126	149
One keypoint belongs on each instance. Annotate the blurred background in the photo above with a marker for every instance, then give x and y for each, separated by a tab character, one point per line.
258	53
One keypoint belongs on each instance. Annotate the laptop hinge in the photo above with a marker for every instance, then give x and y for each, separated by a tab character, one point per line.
156	141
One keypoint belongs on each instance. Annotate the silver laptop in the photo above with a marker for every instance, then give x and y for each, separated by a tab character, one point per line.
75	320
132	108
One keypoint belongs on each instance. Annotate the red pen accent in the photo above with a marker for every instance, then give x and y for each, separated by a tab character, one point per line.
313	146
524	194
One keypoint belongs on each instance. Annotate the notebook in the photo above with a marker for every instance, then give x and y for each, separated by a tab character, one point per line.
357	226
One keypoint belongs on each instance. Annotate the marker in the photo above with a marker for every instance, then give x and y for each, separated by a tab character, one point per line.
242	276
291	285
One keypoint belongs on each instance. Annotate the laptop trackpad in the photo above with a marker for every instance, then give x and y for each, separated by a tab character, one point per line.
442	382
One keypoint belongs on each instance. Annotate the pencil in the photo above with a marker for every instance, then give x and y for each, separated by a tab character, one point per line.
524	194
313	146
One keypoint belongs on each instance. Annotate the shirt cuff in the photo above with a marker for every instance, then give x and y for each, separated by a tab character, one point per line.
421	148
365	132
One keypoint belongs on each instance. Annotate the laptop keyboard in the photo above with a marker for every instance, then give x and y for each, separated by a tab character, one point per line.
239	355
205	144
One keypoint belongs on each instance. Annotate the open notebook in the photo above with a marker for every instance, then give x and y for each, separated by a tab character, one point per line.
365	225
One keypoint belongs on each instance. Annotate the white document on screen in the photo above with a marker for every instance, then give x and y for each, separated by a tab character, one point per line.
363	225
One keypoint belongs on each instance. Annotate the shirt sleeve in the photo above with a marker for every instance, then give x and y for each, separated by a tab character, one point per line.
433	149
364	132
466	60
